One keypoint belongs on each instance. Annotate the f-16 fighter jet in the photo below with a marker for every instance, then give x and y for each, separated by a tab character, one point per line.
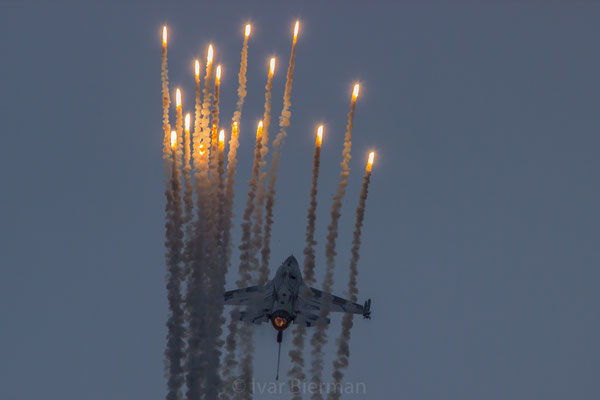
288	299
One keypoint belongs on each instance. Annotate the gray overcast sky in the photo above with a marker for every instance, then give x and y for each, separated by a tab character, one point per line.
480	247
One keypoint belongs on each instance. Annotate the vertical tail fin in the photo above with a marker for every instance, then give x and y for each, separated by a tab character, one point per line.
367	309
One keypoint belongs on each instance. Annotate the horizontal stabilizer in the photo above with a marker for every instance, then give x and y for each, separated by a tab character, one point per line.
315	320
242	297
316	300
255	318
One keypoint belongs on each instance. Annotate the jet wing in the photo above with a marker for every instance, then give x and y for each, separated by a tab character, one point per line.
257	300
316	300
243	297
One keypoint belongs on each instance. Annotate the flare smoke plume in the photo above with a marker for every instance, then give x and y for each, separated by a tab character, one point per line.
260	196
319	338
200	346
343	351
229	361
296	354
215	278
237	115
213	156
247	263
233	146
188	189
173	243
284	122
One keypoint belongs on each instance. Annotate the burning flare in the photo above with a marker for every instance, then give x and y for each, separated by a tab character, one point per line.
187	122
197	69
173	140
178	98
355	91
164	36
296	27
218	74
272	66
221	139
259	129
248	30
209	58
320	135
370	162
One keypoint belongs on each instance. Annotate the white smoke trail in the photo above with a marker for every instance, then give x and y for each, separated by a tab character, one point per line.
260	197
247	265
343	351
284	122
215	280
319	338
173	243
199	377
296	354
229	361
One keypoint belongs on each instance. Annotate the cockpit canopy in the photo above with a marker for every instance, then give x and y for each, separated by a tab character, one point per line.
288	275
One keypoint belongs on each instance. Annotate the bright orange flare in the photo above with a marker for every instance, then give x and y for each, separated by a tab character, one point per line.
201	150
187	122
209	58
222	137
164	35
296	27
248	30
218	73
371	159
320	135
355	91
259	129
173	140
178	98
272	66
197	69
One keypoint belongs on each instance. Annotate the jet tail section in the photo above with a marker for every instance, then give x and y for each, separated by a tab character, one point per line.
367	309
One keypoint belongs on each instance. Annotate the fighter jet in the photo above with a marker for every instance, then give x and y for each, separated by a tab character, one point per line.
287	299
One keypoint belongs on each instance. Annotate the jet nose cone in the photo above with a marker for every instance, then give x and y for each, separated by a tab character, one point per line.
291	260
